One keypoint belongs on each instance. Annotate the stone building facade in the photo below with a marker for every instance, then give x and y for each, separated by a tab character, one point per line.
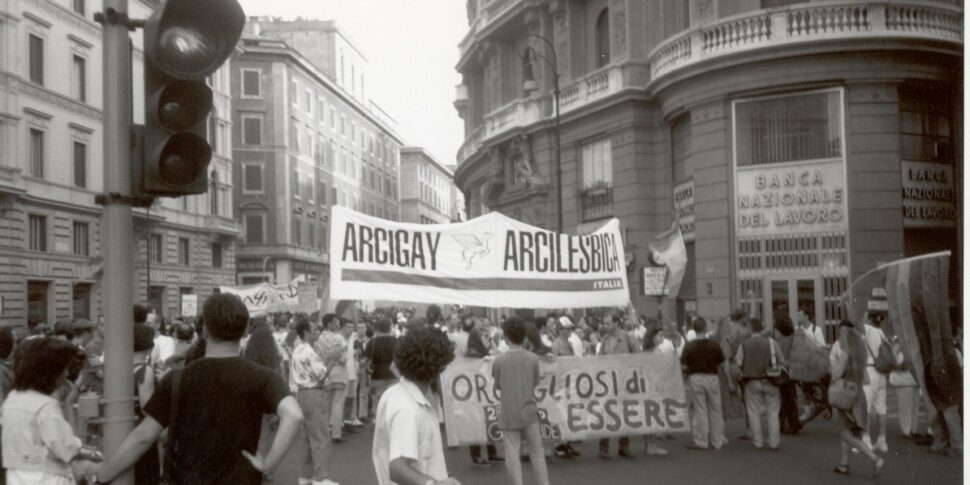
798	144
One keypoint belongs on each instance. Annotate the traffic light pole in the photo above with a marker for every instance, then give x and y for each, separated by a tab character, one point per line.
116	232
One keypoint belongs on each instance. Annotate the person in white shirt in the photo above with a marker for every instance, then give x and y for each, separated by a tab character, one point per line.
574	341
875	389
407	448
164	345
308	371
805	324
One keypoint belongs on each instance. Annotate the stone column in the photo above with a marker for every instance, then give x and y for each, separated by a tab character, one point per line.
711	156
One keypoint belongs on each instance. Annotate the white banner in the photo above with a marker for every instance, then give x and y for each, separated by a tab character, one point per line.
489	261
262	298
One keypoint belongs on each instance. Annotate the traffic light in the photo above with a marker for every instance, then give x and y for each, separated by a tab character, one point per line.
184	41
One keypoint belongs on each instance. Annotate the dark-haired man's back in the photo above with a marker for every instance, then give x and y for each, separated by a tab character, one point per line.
220	408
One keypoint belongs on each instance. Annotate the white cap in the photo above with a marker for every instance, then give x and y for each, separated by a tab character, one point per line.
565	322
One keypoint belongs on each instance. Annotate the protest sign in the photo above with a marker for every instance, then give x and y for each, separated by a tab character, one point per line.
189	305
490	261
579	398
264	298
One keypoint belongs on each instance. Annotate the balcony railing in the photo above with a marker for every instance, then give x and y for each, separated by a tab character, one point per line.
816	21
518	113
597	203
595	85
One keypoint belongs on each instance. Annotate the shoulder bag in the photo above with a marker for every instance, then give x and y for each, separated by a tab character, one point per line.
842	392
777	374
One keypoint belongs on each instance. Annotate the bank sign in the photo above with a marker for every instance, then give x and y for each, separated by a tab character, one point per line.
807	197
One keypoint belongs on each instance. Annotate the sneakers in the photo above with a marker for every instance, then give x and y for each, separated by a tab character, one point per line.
656	450
625	453
325	481
355	423
304	481
481	462
881	445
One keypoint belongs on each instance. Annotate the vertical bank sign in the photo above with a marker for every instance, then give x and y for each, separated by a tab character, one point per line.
794	198
490	261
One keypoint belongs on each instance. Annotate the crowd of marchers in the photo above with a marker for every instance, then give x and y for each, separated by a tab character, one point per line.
257	385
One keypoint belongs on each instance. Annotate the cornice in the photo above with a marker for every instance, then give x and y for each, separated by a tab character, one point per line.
39	92
65	13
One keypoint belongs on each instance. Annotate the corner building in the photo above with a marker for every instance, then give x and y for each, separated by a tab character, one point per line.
305	142
51	169
797	144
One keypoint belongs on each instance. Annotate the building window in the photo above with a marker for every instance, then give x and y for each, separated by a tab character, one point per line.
79	7
214	193
925	133
789	128
250	83
216	255
36	54
37	302
311	235
82	245
81	301
80	165
36	153
295	182
37	233
184	250
603	38
254	228
155	248
295	237
253	178
323	193
309	102
597	196
294	90
252	130
79	87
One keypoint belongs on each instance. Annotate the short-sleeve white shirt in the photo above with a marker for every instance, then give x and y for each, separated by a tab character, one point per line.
407	426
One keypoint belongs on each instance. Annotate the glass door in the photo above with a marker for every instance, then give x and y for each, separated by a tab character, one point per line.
787	294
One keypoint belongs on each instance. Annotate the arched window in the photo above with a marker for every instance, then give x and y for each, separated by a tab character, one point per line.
603	38
214	193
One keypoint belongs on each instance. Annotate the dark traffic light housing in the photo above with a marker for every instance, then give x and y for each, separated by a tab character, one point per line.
184	41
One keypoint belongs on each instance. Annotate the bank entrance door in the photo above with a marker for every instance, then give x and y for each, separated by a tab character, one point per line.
789	293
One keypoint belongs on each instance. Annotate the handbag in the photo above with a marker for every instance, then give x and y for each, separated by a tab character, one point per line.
777	374
842	394
885	360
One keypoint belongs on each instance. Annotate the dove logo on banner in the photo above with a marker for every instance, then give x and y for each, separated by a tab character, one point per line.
490	261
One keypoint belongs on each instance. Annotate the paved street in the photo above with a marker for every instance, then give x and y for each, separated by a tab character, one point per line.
805	459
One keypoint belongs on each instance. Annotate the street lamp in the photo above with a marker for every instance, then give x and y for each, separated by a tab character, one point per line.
528	54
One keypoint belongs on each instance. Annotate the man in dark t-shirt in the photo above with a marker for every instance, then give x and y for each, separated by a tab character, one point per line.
379	351
221	399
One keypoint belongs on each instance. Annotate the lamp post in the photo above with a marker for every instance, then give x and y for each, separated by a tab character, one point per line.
530	84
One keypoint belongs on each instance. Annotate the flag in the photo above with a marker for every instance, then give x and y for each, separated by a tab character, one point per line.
917	293
667	249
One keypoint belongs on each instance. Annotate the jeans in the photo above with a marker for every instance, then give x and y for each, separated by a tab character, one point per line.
763	398
513	445
706	420
315	433
789	408
336	395
352	390
363	397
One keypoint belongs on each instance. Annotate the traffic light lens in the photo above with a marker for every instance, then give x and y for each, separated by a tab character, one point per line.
189	48
182	105
184	157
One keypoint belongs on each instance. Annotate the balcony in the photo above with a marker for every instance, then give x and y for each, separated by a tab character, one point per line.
461	98
221	227
597	202
591	87
839	21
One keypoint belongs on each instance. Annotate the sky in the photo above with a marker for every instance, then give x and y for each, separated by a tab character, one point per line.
411	47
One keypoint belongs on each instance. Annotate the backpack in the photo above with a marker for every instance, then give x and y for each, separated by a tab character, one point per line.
885	361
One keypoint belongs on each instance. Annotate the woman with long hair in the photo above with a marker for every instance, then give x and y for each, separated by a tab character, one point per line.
848	361
262	350
39	446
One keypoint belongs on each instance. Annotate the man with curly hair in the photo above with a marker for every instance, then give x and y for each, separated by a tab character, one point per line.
407	440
